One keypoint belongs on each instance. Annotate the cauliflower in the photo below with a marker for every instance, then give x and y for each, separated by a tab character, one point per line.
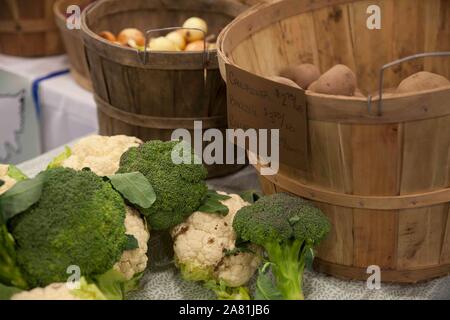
61	291
134	261
54	291
100	153
8	181
202	242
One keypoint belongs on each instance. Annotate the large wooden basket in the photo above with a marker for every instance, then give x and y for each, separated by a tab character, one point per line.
383	178
28	29
73	42
149	95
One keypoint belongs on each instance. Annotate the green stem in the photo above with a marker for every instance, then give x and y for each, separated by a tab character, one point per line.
288	266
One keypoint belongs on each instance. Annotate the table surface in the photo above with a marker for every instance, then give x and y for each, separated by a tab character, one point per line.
67	110
165	283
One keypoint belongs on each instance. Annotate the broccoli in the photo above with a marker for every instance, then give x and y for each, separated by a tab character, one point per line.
78	220
179	188
287	228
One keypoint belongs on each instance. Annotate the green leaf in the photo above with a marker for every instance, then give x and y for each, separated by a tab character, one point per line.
10	273
16	173
135	188
133	283
224	292
265	288
20	197
132	243
212	204
58	160
250	196
112	284
241	246
7	292
88	291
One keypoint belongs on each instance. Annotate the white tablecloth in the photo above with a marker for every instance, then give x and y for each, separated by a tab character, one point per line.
166	283
67	110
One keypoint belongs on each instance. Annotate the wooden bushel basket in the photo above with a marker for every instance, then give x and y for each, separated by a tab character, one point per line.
150	95
73	42
380	171
28	29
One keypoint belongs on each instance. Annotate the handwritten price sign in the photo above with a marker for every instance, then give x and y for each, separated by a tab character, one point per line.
259	103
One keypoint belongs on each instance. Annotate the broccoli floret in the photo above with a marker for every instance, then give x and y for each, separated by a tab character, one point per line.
179	188
287	228
78	220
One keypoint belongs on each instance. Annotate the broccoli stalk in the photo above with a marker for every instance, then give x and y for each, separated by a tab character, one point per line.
288	264
288	228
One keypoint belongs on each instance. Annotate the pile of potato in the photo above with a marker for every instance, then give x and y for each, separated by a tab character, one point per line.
190	38
341	80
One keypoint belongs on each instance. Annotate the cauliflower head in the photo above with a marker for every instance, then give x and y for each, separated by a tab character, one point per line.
61	291
100	153
134	261
54	291
201	244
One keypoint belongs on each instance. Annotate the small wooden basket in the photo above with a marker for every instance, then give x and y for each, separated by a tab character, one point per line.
73	42
379	169
28	29
150	94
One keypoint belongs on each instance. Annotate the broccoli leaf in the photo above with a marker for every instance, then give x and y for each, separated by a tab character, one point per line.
135	188
265	288
20	197
7	292
112	284
58	160
132	243
241	246
250	196
212	204
10	273
16	173
224	292
88	291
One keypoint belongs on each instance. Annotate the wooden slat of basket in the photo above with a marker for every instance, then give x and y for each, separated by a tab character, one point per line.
426	153
376	157
330	169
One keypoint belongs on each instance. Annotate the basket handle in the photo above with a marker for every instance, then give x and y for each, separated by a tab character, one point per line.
12	4
393	63
143	54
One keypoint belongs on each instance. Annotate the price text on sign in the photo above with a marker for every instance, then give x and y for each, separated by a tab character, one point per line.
258	103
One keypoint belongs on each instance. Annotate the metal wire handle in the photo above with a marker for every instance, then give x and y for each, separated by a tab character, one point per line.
393	63
143	54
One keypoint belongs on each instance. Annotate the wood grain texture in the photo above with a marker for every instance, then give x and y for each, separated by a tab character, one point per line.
148	100
73	42
382	180
28	29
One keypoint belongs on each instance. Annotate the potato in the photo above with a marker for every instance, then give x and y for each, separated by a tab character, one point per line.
303	74
422	80
133	35
339	80
285	81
